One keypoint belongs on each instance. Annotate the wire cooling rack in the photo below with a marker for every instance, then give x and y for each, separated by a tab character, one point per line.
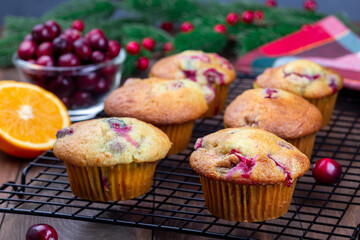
176	203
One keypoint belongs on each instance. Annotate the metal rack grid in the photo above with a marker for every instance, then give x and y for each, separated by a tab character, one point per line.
175	202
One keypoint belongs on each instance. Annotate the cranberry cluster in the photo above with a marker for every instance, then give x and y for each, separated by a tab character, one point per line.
48	45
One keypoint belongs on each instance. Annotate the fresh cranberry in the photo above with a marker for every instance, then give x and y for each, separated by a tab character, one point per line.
98	42
232	18
72	34
28	37
81	98
68	60
78	25
186	27
54	26
142	63
168	46
310	5
220	28
97	57
26	50
92	32
61	86
148	43
167	26
41	232
247	16
133	48
45	48
45	60
42	33
87	82
108	71
61	45
271	3
258	15
327	171
102	86
114	48
66	101
82	49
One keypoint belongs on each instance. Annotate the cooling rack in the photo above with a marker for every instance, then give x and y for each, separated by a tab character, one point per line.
175	201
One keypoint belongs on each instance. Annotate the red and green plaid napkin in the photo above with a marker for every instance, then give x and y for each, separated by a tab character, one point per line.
328	42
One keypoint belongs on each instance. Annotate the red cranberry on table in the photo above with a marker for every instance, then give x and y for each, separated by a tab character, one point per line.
61	86
310	5
45	60
82	49
97	57
68	60
72	34
45	48
42	33
143	63
41	232
88	81
148	43
114	48
232	18
258	15
168	46
167	26
26	50
54	26
78	25
186	27
220	28
327	171
271	3
61	45
133	48
98	42
247	16
81	98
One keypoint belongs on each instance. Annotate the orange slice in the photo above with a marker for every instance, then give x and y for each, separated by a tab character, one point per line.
29	119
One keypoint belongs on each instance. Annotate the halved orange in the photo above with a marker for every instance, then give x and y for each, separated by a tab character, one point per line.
30	116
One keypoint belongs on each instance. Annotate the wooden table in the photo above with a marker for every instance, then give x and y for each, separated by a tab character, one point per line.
14	226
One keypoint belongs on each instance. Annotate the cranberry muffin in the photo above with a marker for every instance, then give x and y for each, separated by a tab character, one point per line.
171	105
282	113
207	69
111	159
317	84
247	174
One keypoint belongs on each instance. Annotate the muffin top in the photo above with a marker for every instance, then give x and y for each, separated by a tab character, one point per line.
248	156
203	68
282	113
158	101
302	77
110	141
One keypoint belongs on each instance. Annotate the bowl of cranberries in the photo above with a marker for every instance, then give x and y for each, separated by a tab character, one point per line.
80	68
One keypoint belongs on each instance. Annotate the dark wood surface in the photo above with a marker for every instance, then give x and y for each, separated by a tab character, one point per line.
14	226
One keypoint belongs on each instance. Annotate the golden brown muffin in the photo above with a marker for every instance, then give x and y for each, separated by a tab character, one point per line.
282	113
171	105
237	162
315	83
111	158
203	68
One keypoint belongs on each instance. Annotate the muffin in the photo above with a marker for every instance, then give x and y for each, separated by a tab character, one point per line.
247	174
317	84
207	69
111	159
284	114
171	105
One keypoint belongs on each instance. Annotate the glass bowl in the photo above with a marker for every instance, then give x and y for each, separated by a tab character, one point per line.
82	89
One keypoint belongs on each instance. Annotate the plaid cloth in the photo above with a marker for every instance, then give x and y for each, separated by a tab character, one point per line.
328	42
